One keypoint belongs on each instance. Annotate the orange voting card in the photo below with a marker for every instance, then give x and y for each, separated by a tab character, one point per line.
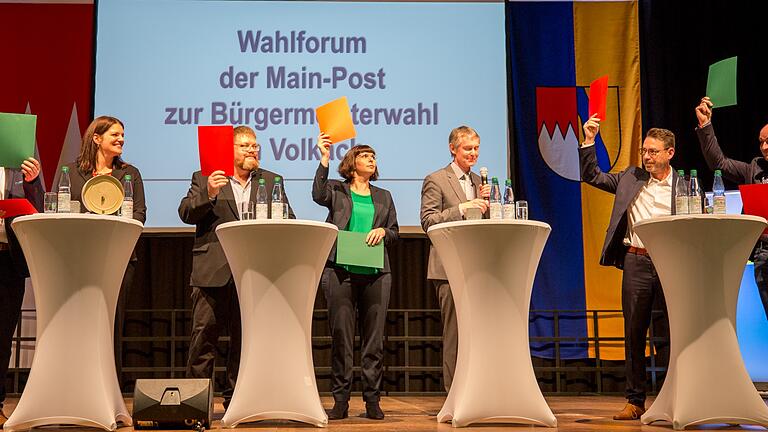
335	119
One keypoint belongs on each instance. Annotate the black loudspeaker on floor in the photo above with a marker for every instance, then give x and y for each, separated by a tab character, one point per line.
172	404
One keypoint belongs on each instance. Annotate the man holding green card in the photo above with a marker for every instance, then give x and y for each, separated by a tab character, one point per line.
14	183
739	172
356	280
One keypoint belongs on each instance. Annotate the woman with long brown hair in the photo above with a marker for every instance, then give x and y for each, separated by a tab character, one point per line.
100	154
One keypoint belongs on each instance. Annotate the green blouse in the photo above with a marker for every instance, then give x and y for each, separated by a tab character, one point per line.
361	221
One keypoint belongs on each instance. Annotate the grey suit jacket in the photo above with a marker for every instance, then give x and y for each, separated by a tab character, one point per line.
625	185
209	263
334	195
16	187
733	170
441	195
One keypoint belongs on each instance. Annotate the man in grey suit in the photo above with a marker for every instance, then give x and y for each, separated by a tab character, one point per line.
449	194
210	202
641	193
755	171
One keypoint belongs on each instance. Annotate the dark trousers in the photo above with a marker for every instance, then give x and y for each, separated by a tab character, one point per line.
450	330
362	298
641	294
11	297
760	258
213	310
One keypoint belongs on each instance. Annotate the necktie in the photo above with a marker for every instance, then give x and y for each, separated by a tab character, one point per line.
467	186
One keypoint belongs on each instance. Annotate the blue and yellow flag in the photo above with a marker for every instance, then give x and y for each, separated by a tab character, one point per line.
557	49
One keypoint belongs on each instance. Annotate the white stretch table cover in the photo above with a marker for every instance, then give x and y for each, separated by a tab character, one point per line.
491	265
277	266
76	262
700	261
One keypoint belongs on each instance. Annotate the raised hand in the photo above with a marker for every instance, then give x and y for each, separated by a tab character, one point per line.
216	181
324	144
704	111
591	127
31	169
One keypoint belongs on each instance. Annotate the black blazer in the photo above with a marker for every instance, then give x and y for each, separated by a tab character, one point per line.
16	187
733	170
625	185
335	195
209	263
78	178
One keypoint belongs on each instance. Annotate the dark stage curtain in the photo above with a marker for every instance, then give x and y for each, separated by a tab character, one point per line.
678	42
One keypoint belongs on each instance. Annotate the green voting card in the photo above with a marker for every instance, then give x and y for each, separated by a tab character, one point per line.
721	83
17	138
351	249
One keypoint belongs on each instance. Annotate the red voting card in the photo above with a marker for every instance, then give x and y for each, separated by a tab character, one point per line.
16	207
217	150
754	198
598	97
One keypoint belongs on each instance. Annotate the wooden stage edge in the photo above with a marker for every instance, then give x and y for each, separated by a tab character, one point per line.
415	413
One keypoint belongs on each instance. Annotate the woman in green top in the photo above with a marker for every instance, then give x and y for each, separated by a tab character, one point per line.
353	291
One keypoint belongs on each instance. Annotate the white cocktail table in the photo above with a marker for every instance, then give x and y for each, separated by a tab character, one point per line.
491	265
276	265
700	261
76	262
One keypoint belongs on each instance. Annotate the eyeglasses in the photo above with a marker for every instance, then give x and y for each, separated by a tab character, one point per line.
763	140
651	152
249	147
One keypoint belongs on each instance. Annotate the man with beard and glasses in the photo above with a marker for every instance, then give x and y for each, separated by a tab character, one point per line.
210	202
641	193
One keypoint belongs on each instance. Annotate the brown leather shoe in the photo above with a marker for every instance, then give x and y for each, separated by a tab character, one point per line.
3	419
630	412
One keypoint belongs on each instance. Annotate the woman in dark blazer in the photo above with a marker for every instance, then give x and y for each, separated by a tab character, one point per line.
351	291
100	153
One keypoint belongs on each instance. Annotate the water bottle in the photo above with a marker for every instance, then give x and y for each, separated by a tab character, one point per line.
509	200
495	199
681	194
63	197
694	199
718	193
277	199
262	210
126	210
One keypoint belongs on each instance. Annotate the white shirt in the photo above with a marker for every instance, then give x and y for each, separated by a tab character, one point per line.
3	236
242	193
465	180
653	200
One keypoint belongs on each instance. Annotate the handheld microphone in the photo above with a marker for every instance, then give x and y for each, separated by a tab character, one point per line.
484	176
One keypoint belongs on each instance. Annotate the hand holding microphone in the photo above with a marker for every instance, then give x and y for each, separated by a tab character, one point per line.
485	188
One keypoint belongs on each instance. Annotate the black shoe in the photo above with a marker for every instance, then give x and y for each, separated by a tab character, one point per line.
339	411
226	403
373	411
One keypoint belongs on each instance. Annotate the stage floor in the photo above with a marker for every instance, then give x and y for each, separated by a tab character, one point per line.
413	413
